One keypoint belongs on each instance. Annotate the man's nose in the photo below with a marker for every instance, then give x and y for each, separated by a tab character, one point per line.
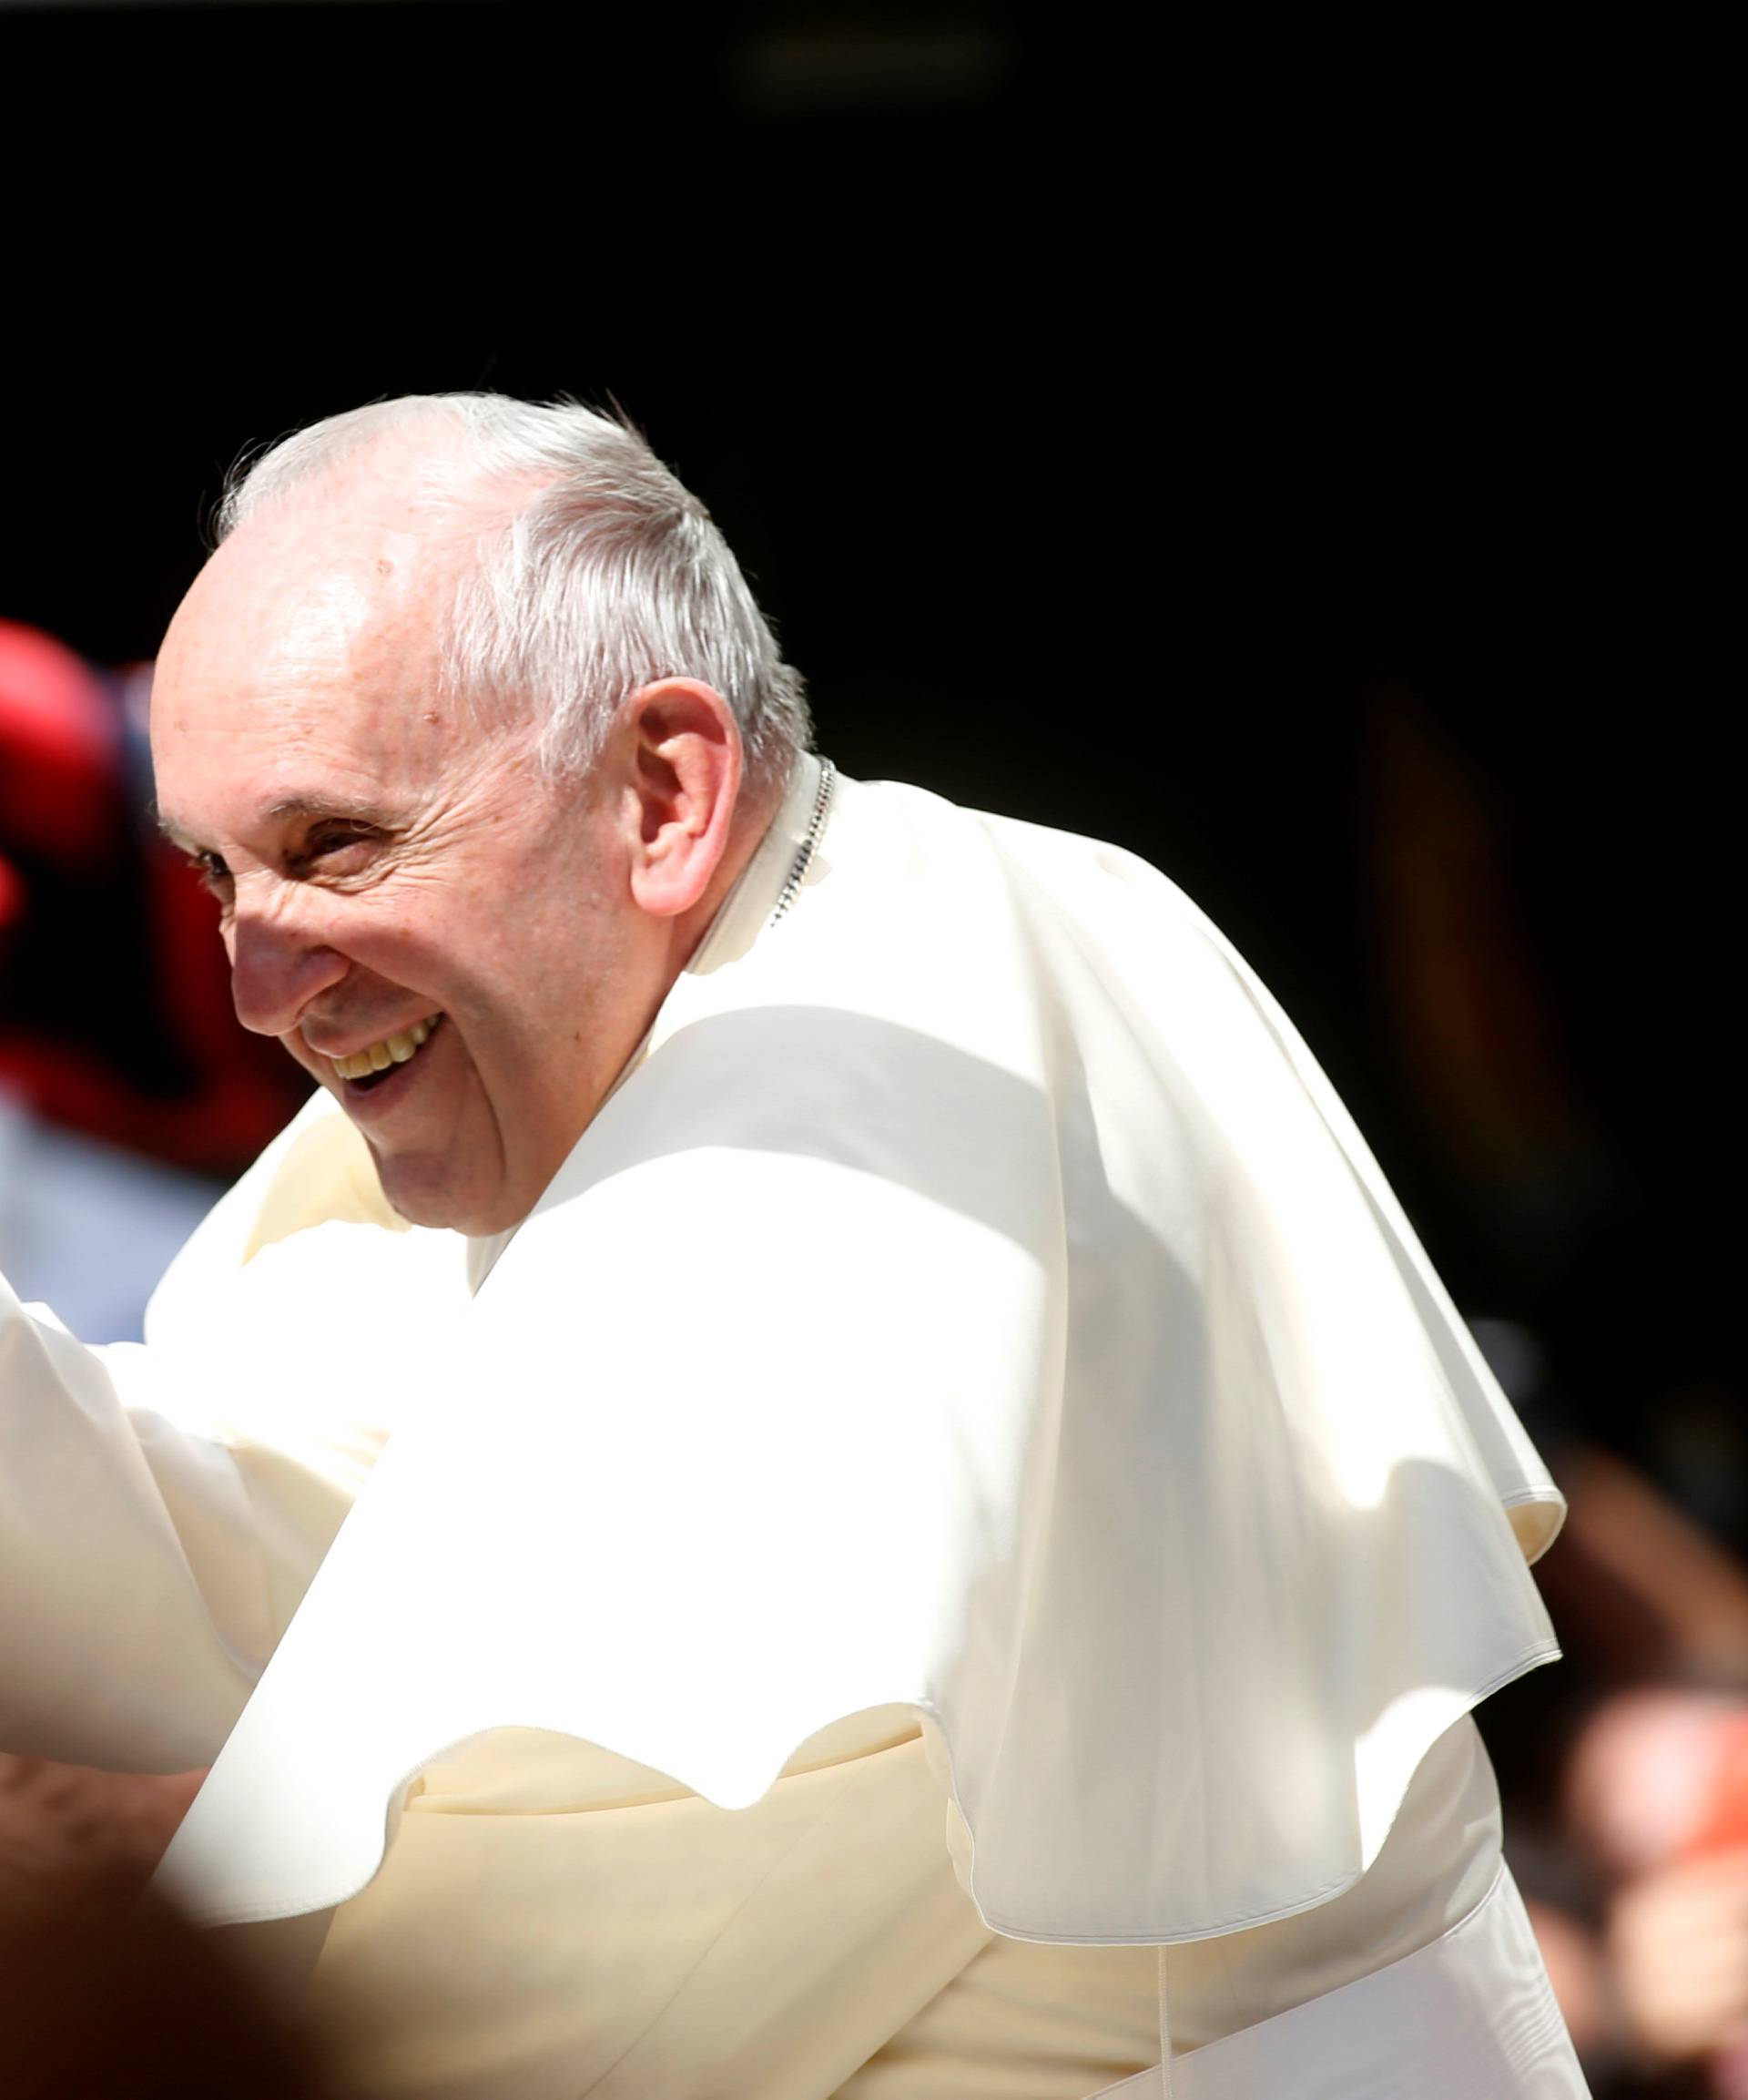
279	962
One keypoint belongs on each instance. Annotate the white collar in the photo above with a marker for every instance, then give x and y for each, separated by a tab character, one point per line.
747	907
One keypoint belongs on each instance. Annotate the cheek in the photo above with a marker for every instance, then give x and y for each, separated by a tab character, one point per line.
441	943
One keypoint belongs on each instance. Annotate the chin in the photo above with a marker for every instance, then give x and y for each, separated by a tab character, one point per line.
437	1204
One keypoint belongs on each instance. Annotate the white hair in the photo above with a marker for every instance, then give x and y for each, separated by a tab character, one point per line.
597	572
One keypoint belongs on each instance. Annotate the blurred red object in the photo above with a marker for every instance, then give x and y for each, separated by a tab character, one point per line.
116	1018
12	895
60	753
1723	1825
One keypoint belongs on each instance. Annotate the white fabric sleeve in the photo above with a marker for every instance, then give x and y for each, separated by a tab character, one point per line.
165	1506
136	1606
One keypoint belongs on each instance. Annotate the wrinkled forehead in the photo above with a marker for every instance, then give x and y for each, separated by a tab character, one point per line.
299	644
308	584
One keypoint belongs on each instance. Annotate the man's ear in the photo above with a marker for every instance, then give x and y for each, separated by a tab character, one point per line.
686	781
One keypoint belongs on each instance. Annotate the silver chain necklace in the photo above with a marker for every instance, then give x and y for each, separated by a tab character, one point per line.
804	854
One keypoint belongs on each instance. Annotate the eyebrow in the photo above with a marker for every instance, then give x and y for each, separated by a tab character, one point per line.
347	808
339	808
174	832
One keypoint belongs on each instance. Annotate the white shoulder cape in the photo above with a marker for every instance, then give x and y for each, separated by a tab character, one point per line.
975	1297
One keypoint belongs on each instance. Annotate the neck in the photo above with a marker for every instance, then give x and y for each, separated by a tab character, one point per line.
753	821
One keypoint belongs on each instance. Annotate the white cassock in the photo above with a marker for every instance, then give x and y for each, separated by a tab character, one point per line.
952	1554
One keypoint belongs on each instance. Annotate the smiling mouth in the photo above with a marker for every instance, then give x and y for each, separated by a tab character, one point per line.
376	1062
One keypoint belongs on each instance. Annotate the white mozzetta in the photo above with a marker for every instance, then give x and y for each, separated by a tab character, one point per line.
1071	1342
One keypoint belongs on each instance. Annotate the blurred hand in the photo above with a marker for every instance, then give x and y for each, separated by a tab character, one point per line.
101	1991
69	1831
1727	2074
1678	1941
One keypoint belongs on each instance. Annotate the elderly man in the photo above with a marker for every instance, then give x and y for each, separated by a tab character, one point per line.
935	1533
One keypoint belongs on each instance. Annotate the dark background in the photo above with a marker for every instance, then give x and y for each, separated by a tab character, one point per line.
1125	432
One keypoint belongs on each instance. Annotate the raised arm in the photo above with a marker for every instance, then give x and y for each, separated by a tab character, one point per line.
134	1604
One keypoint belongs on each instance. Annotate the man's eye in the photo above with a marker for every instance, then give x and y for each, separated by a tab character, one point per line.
213	872
337	839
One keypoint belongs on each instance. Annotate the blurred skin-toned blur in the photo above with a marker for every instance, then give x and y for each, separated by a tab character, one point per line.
101	1993
1656	1797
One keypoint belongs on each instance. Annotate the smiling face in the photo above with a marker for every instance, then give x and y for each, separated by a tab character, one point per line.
401	888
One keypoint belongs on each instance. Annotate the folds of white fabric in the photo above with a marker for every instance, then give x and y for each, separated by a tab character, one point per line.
164	1508
1020	1282
135	1615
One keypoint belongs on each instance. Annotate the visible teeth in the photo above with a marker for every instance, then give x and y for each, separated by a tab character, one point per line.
394	1050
